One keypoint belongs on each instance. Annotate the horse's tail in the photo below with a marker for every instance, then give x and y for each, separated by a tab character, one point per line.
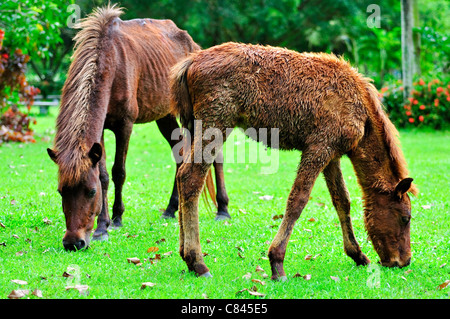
389	133
181	105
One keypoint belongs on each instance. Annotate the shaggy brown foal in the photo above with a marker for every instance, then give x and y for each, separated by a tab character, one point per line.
119	76
323	107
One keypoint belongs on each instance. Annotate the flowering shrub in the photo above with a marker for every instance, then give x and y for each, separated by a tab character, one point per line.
428	105
14	90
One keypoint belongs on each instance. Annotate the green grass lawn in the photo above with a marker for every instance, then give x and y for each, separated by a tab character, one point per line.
33	226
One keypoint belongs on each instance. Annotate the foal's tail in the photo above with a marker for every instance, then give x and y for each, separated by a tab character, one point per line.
181	105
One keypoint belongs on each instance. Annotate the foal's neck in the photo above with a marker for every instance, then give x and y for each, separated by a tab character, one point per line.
372	165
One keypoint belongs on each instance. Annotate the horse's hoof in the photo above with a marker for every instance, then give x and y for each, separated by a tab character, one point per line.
168	215
102	236
206	275
281	278
222	216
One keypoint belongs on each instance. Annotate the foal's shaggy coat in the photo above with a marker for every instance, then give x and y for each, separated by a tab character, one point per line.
323	107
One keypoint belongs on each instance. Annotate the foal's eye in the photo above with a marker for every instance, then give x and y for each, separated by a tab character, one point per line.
405	219
92	193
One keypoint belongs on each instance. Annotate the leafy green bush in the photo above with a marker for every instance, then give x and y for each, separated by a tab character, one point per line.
14	91
428	106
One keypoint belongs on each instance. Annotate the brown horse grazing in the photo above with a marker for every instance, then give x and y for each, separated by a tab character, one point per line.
118	77
321	106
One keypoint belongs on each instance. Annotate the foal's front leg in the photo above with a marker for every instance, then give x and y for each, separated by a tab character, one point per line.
311	164
341	201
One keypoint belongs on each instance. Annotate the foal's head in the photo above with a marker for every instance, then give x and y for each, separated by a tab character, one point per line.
81	199
387	219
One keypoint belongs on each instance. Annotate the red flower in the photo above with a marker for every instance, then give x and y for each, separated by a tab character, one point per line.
408	113
5	56
448	98
436	102
439	89
421	82
415	102
422	107
421	118
411	120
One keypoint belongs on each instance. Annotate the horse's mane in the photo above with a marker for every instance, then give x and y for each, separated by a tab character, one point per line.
389	135
73	118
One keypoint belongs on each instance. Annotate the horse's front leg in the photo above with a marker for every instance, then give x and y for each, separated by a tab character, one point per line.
311	164
122	133
341	201
166	126
103	220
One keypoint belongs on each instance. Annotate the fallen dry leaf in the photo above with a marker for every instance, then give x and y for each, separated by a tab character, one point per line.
308	257
266	197
162	240
336	279
444	284
47	221
247	275
275	217
168	253
19	282
259	281
17	294
312	219
82	289
306	277
134	260
2	225
147	284
255	293
258	268
37	293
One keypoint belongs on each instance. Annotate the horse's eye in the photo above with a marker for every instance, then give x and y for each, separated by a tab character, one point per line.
406	219
92	193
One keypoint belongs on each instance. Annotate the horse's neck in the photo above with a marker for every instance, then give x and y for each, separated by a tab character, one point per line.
372	164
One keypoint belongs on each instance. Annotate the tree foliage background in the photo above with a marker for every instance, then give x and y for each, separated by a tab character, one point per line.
39	28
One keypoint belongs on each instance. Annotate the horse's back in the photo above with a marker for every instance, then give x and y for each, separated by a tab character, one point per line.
305	95
146	50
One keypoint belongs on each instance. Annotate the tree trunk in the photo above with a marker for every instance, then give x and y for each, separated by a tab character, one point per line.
416	38
407	46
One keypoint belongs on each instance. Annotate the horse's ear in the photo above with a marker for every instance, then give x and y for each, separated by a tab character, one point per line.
403	186
52	154
95	154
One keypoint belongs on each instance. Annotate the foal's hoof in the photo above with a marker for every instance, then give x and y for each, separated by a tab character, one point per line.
168	215
117	223
222	216
206	275
100	236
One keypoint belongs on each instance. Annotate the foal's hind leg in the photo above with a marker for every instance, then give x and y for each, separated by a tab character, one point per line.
312	162
221	196
341	201
166	126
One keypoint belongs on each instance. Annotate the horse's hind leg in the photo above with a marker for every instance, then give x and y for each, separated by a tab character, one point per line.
221	196
103	220
166	126
313	161
341	201
122	132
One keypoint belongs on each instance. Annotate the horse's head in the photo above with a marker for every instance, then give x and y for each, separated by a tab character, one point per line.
387	219
81	201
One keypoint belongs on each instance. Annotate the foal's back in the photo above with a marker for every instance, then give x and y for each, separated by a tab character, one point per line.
309	97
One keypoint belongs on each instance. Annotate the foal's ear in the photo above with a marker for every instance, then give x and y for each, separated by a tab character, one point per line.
403	186
52	154
95	154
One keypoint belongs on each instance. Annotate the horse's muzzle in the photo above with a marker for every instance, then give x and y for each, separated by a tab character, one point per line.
74	246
